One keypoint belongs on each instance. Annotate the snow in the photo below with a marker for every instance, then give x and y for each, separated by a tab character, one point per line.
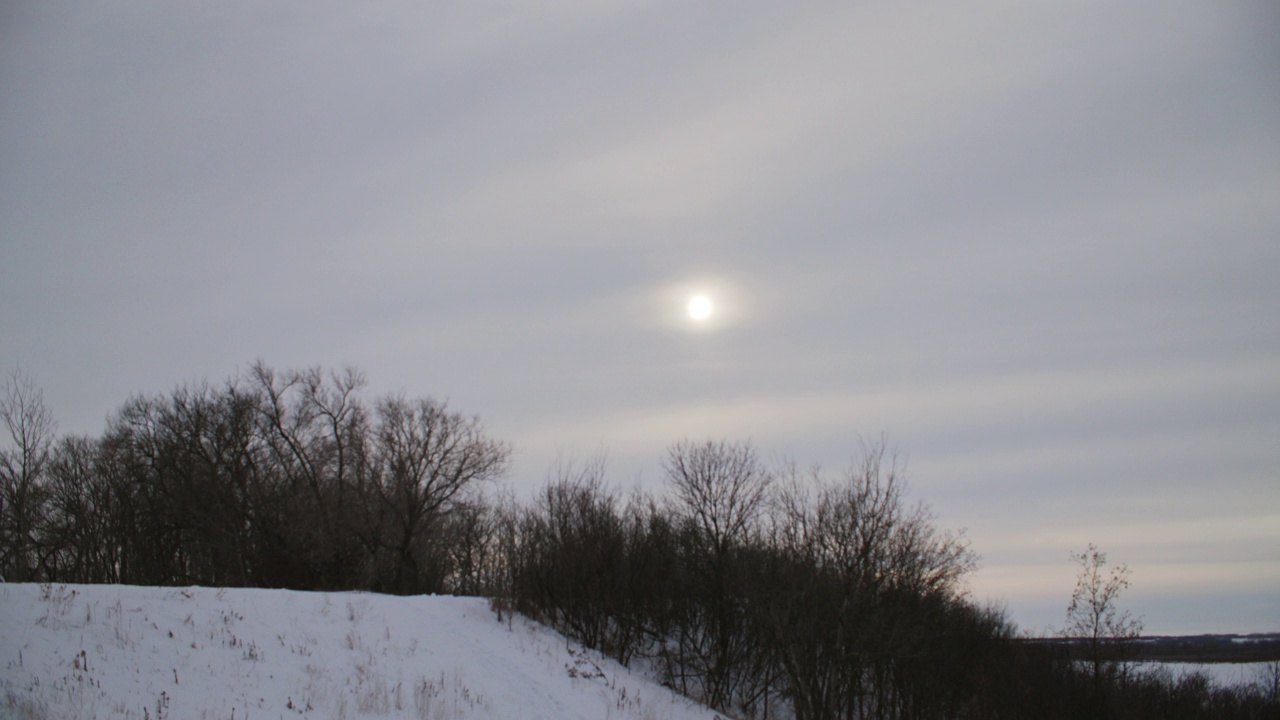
112	651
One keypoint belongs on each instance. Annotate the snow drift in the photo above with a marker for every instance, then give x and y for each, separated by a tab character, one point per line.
111	651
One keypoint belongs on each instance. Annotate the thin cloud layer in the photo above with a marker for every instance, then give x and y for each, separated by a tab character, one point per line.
1033	245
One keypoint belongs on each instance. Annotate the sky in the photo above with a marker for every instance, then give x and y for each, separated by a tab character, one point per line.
1034	246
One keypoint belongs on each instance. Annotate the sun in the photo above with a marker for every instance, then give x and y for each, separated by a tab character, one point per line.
699	308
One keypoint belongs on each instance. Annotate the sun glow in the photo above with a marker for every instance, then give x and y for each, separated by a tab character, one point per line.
699	308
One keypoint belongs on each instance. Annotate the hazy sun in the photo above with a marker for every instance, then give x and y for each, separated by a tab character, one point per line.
699	308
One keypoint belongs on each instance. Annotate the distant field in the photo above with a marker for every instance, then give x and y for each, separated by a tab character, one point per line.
1195	649
1258	648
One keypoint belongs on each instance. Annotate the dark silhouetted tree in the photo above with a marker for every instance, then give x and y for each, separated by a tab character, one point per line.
1094	616
315	429
717	491
424	457
29	436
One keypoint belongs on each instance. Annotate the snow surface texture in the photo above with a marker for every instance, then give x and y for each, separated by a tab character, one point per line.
111	651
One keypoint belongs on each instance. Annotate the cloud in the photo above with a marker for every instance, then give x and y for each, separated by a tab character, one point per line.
1030	243
945	404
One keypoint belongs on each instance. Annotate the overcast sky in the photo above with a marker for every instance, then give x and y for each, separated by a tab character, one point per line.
1034	245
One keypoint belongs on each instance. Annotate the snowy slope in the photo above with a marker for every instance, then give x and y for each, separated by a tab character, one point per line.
92	651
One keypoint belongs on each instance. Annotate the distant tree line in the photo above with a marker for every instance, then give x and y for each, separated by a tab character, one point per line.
766	592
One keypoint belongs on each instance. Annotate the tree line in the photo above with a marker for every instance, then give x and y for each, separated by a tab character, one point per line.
752	590
274	479
762	590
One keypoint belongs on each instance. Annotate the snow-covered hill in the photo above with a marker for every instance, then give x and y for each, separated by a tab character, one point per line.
93	651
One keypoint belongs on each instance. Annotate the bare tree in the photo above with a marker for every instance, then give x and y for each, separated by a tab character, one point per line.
573	550
718	490
75	527
30	429
425	456
720	487
1094	616
315	427
858	590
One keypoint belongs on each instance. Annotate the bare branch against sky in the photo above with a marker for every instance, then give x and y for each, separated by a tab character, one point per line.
1034	244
